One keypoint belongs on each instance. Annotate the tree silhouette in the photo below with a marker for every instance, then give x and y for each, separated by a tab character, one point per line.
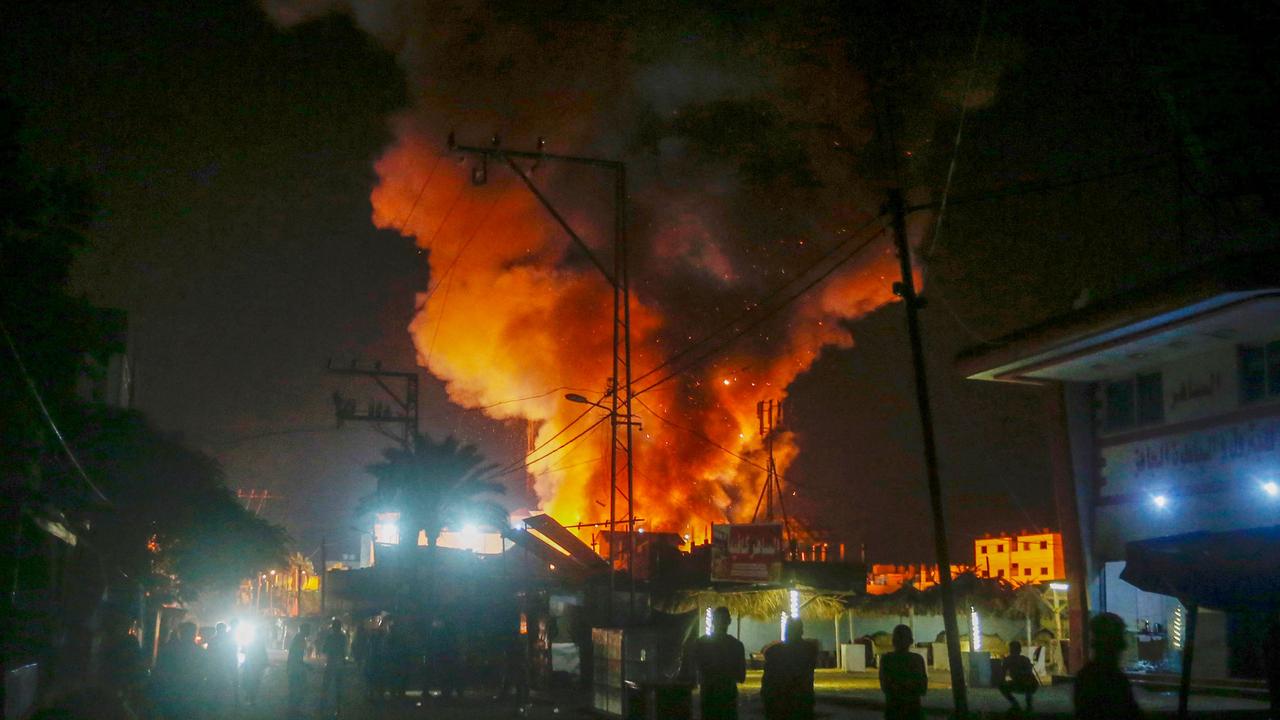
435	485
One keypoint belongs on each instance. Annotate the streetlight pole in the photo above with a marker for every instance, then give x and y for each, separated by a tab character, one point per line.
620	281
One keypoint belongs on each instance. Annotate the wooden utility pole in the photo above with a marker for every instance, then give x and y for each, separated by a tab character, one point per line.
907	290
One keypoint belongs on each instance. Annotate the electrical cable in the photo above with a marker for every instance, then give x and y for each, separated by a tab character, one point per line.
765	316
700	436
448	278
553	451
430	174
763	300
529	397
48	417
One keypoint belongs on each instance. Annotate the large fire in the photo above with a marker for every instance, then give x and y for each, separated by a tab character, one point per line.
512	314
741	144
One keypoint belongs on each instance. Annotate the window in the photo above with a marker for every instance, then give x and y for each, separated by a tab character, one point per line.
1134	401
1015	568
1000	548
1259	371
984	549
1150	398
1119	399
1044	544
1044	571
1027	572
1026	546
1000	573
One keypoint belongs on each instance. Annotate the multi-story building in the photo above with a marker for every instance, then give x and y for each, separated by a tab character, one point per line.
1164	405
1025	557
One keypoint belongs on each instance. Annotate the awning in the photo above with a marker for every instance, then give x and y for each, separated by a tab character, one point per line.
1234	571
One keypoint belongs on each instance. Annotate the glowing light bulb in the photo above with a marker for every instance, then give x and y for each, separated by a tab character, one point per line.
1271	488
1160	501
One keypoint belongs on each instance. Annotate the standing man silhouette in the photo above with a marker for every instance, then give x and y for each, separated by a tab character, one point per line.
721	663
787	685
1101	689
903	678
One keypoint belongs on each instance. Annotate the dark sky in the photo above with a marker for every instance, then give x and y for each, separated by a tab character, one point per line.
232	163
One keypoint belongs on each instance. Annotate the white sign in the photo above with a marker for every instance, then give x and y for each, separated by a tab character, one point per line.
1227	453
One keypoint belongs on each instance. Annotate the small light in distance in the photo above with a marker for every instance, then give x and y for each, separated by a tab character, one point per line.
1160	501
725	381
1271	488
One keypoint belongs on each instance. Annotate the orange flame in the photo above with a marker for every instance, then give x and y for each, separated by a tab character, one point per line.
512	312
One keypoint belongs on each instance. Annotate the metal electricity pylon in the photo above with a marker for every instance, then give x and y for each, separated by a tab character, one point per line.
621	456
769	413
402	411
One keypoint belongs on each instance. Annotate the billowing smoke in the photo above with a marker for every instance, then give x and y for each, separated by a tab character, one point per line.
742	138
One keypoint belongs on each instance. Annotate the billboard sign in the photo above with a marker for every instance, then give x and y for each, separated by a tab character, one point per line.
746	553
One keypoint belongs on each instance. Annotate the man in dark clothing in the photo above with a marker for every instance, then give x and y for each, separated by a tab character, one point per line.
296	669
1101	689
787	685
902	678
335	655
1018	677
720	662
179	672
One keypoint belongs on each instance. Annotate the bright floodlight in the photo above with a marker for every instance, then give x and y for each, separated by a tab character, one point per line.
975	630
1160	501
708	625
1060	587
1271	488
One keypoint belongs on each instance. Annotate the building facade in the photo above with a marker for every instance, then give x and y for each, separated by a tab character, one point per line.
1020	558
1165	409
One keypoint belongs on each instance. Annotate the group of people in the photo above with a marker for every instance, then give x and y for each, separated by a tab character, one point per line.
718	661
196	677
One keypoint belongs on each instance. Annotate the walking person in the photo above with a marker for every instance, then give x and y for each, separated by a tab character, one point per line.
903	678
1101	689
179	673
334	650
1018	676
787	685
255	665
720	663
296	669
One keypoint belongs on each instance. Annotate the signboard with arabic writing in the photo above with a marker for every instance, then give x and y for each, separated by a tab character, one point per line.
746	553
1213	455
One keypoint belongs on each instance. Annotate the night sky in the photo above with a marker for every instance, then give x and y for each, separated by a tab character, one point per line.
232	160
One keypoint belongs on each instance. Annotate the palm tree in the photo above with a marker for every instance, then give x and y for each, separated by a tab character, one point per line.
434	485
1028	602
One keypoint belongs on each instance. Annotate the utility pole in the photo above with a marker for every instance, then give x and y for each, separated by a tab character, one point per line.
769	414
621	457
404	408
907	290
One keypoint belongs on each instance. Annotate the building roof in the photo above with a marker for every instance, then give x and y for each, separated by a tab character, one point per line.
1223	302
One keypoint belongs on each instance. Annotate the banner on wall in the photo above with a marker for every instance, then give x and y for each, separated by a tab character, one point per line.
746	553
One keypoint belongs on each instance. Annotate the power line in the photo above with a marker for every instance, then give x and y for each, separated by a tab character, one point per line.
955	147
770	312
48	417
766	298
448	276
700	436
558	448
430	174
530	397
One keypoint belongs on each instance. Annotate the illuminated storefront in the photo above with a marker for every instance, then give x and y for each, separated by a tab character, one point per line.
1165	404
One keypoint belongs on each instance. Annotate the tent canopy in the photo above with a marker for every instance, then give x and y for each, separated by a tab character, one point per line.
1233	571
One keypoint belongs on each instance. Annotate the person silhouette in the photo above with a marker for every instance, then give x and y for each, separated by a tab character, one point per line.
902	678
296	669
1021	677
1101	689
720	662
787	685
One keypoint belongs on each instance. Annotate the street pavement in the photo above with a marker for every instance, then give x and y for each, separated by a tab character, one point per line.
840	695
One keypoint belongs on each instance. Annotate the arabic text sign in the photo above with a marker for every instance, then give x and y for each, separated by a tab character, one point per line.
746	553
